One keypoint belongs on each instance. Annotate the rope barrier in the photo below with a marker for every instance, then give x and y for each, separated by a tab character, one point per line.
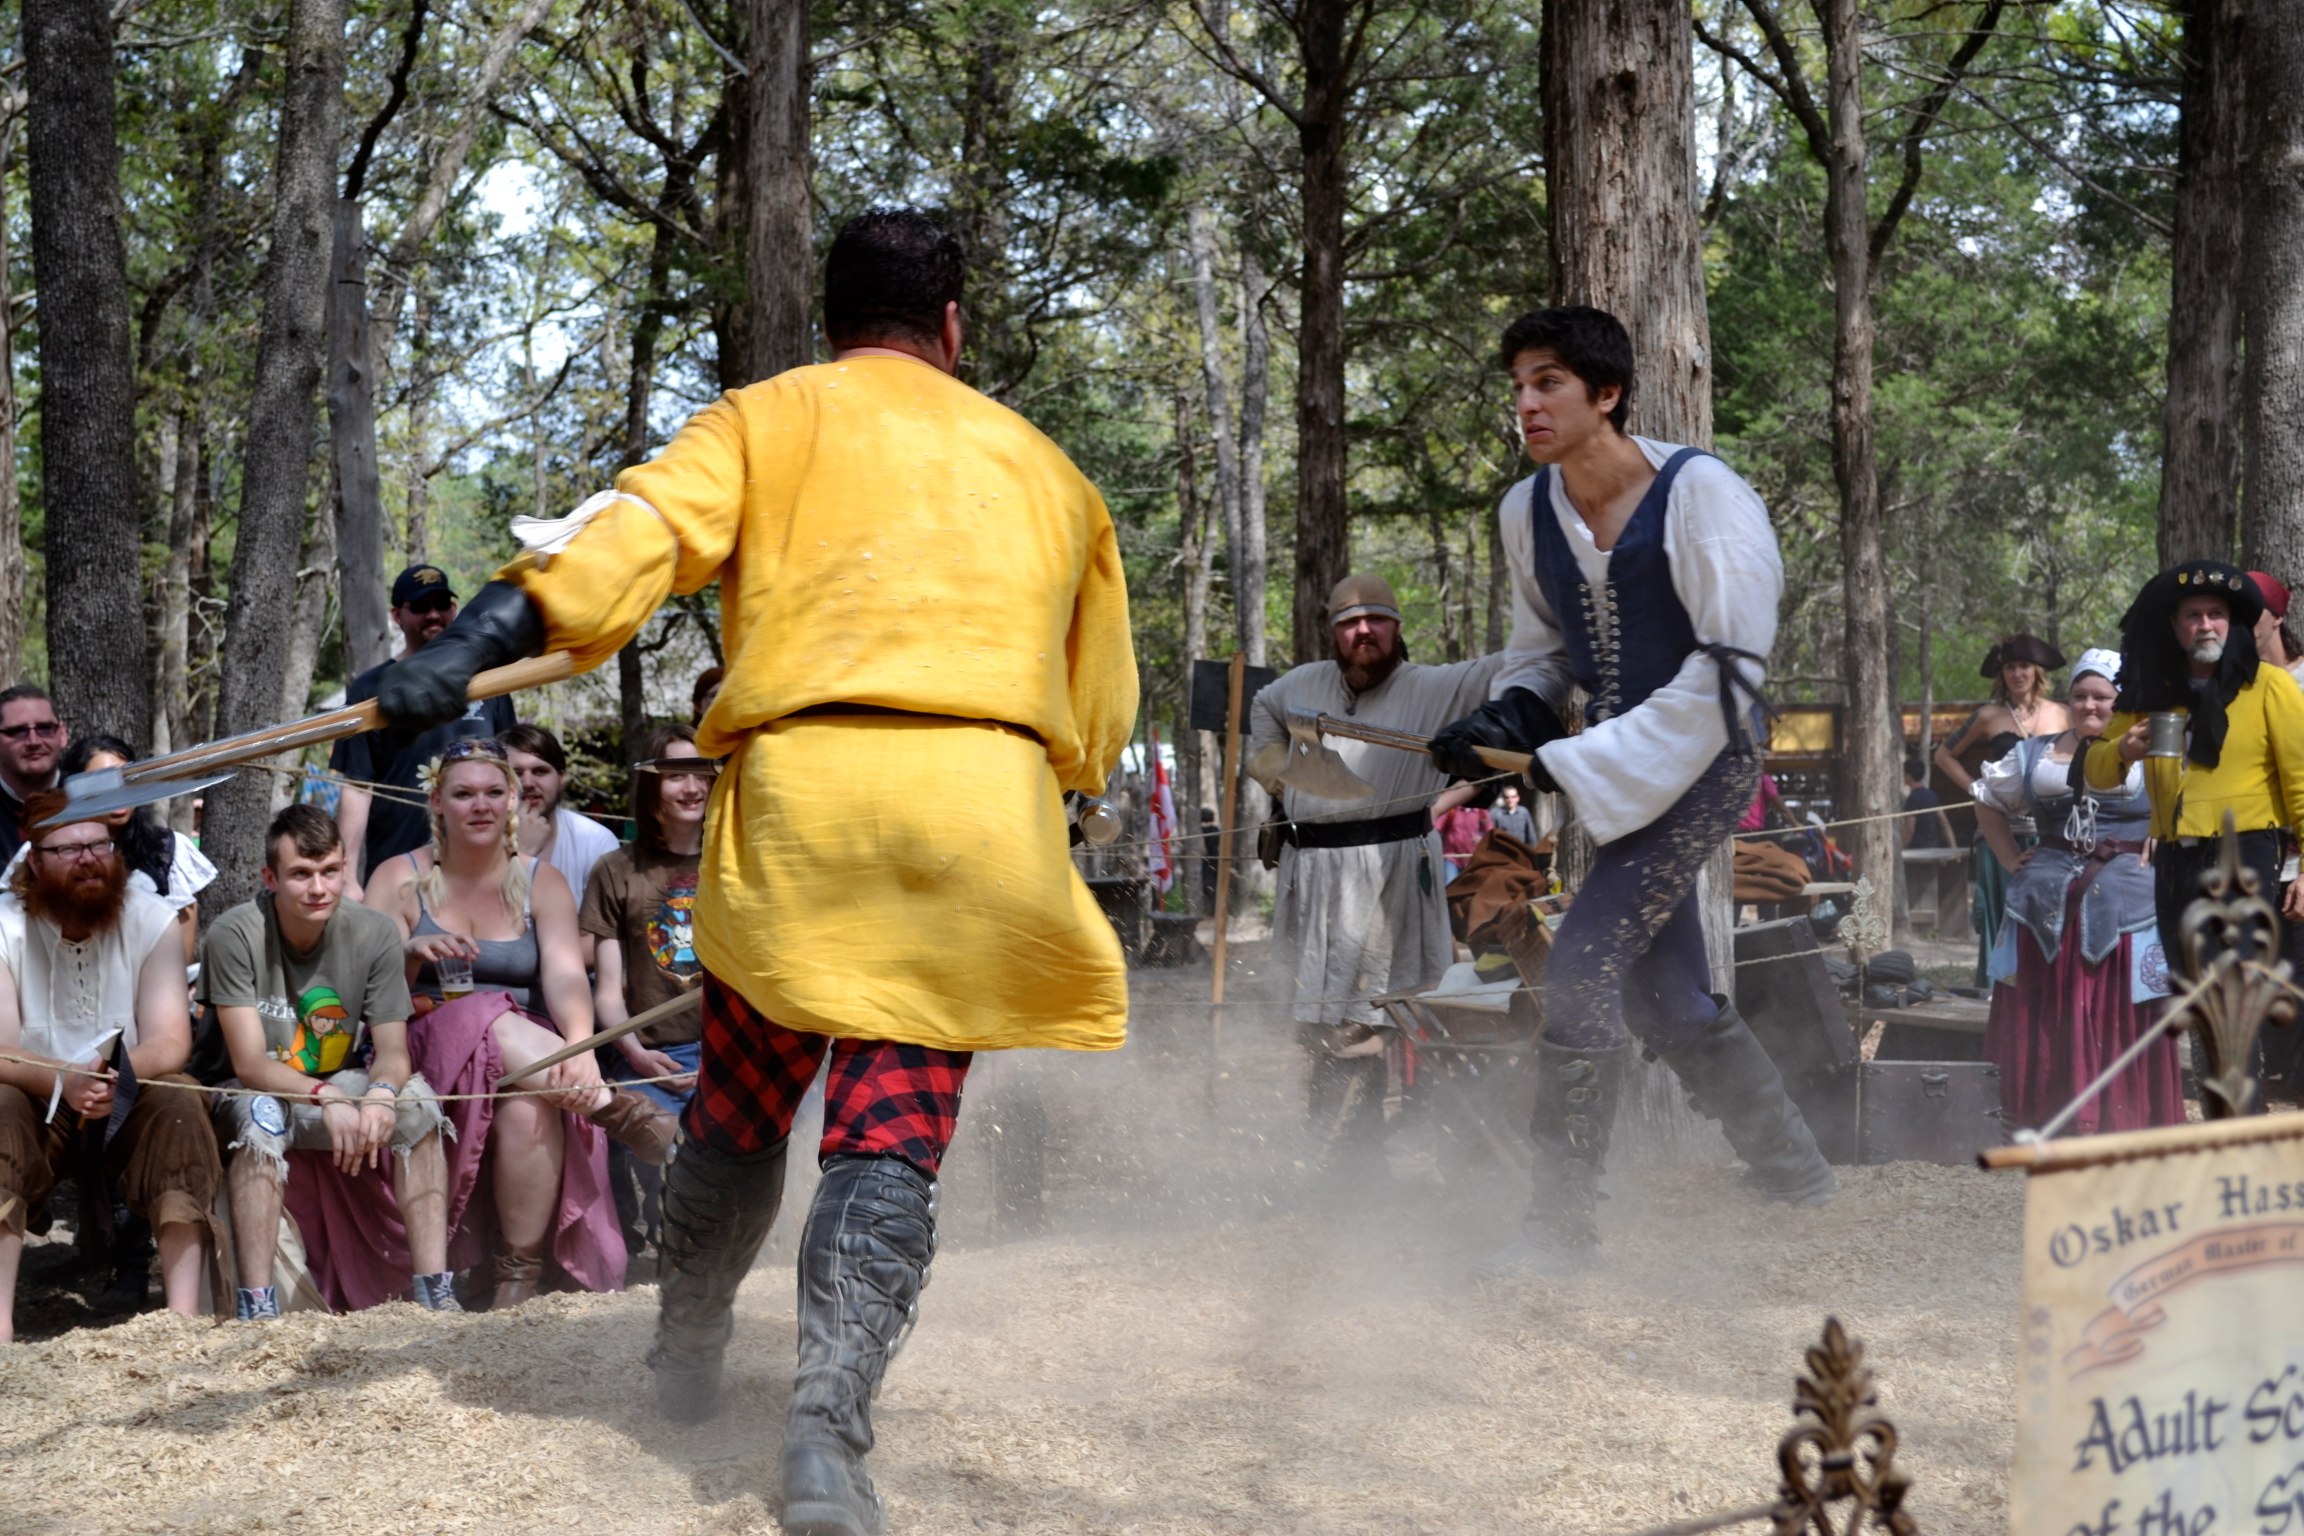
1145	844
400	794
222	1091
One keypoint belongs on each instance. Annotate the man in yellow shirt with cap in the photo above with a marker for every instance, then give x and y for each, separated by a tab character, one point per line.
914	584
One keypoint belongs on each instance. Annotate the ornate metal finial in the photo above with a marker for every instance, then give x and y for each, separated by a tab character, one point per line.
1844	1449
2231	940
1865	928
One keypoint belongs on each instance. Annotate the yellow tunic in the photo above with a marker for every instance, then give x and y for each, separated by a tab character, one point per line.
2259	777
884	535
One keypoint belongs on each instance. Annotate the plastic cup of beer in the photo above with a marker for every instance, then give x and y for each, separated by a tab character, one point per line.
2165	735
455	973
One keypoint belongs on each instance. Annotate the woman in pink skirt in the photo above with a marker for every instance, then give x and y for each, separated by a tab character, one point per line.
2079	905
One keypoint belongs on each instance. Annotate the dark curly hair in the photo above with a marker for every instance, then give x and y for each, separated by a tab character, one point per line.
888	276
1590	343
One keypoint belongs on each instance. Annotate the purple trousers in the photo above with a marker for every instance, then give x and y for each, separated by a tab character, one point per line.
1629	956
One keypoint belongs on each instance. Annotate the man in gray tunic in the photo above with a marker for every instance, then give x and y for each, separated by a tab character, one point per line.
1361	907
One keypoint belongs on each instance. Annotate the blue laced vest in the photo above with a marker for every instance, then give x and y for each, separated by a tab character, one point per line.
1620	665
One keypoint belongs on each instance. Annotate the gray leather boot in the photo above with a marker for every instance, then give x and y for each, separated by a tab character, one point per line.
718	1208
863	1258
1731	1078
1576	1095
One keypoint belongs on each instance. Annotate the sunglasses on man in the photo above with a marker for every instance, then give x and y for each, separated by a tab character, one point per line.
40	728
431	605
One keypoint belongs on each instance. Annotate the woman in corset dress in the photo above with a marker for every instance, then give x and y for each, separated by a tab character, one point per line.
472	896
2080	901
2020	707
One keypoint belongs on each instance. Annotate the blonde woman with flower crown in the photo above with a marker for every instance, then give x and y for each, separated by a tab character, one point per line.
528	1176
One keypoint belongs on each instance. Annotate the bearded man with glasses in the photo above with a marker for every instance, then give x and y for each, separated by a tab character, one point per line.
31	740
91	982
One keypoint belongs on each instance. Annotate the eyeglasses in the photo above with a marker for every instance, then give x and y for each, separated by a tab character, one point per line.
41	728
75	852
431	605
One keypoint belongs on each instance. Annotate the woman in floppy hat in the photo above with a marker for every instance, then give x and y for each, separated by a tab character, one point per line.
2078	904
2019	710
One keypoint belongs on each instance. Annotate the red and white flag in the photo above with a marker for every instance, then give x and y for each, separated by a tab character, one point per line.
1160	858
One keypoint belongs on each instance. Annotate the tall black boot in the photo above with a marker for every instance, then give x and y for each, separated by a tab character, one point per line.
718	1207
863	1258
1731	1078
1576	1096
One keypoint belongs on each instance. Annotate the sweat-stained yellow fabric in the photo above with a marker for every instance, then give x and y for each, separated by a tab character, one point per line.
884	535
2259	776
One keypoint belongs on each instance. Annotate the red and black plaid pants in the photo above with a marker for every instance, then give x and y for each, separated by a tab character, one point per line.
881	1099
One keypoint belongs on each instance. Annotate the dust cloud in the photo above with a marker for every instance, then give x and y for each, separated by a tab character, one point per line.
1150	1313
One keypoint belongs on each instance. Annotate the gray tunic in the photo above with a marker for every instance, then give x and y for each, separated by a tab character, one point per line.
1364	921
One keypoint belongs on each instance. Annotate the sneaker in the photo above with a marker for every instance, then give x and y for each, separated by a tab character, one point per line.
437	1293
259	1305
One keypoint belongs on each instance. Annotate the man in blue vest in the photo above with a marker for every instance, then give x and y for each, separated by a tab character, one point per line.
1646	574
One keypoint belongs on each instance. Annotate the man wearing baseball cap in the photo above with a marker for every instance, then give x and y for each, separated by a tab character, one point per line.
2276	640
374	830
1362	902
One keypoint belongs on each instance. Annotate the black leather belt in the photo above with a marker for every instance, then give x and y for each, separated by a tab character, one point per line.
2210	842
914	714
1356	834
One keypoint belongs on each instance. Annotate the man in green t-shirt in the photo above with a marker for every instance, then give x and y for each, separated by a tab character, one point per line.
312	996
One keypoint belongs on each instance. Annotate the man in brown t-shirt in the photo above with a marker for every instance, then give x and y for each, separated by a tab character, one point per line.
641	904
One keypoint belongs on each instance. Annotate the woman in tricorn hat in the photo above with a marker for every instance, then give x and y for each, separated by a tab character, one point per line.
2020	709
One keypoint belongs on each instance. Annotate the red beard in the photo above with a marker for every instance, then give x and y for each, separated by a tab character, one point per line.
1362	675
81	898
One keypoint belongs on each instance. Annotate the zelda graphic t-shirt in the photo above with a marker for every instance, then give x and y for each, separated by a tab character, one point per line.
316	1006
646	905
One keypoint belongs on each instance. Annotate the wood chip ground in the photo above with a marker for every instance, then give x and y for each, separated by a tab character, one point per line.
1199	1337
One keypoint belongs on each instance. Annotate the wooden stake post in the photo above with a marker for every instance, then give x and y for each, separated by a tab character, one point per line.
1224	840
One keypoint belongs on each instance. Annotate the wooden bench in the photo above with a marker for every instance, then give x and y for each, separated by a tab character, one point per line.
1937	888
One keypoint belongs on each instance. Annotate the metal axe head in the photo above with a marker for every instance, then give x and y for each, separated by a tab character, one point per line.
101	791
1313	765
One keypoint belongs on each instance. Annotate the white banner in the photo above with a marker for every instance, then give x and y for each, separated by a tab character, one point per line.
2162	1385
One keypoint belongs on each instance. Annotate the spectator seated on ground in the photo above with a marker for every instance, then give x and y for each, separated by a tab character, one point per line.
31	738
642	908
91	977
159	861
568	840
313	1003
640	911
508	922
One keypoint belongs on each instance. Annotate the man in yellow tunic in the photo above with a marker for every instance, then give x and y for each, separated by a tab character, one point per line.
915	586
2187	647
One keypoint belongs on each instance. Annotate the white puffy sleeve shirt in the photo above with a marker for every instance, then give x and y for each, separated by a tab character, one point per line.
1623	773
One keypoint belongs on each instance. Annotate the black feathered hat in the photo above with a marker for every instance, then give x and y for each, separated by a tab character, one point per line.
2029	648
2155	673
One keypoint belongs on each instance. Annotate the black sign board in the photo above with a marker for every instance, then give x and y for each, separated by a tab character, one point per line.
1212	691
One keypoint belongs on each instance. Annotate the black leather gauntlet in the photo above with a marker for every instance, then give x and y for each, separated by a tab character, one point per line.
498	626
1520	721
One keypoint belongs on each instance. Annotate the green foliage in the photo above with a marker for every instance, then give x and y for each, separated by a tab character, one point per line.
2021	304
